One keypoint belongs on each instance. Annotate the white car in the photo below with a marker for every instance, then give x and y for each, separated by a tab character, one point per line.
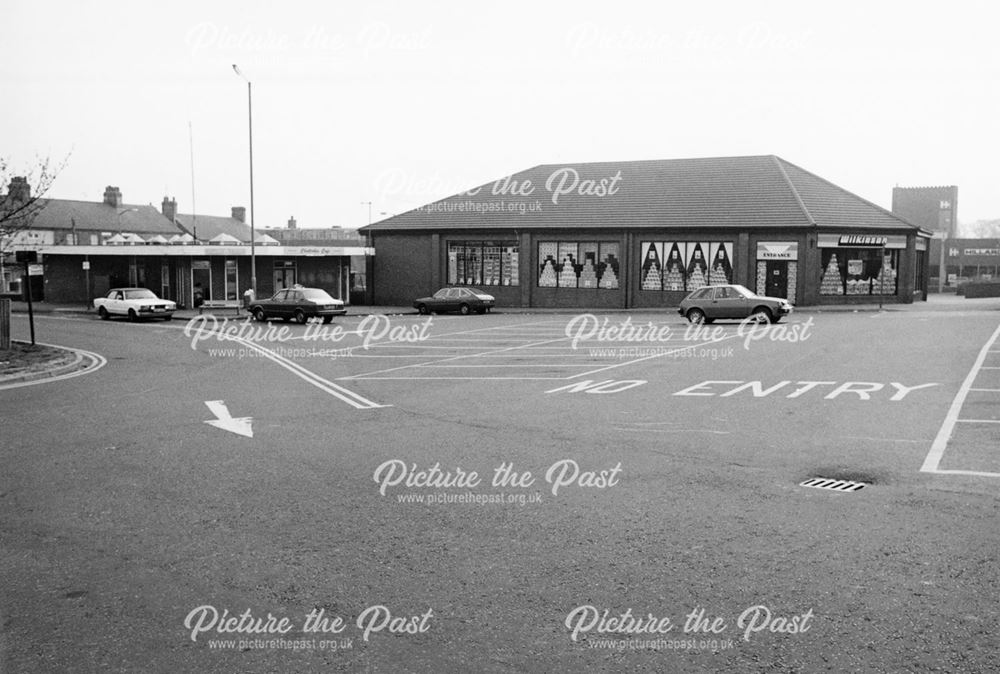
135	303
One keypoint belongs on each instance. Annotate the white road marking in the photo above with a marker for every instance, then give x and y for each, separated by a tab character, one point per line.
225	421
339	392
933	459
97	359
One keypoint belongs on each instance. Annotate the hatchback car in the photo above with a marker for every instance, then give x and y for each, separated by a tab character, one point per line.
462	300
300	304
708	303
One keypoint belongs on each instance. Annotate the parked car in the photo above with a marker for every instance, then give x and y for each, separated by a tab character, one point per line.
708	303
136	303
462	300
298	303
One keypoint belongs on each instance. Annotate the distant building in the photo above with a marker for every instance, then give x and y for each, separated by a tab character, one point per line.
933	208
964	259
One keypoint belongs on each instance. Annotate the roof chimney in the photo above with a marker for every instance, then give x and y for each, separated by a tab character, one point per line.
19	190
291	222
169	209
113	196
240	213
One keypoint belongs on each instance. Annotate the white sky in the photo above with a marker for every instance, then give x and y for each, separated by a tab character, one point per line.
403	103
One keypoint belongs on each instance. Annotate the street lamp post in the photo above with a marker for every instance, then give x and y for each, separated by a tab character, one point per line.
253	244
369	204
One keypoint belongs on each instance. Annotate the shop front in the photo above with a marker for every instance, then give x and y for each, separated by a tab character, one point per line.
190	275
860	265
666	228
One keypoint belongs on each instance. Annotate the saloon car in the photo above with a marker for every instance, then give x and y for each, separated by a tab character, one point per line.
463	300
135	303
709	303
299	304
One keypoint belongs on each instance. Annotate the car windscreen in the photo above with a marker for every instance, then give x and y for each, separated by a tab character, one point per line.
317	295
140	295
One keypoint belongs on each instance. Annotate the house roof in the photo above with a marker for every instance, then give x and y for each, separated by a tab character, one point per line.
67	214
205	227
741	192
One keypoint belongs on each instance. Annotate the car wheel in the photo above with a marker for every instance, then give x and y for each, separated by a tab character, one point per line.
103	313
327	320
464	309
761	315
168	318
258	315
132	316
481	310
423	310
696	315
300	316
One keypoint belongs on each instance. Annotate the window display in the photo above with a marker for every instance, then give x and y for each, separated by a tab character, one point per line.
485	263
571	264
650	274
862	271
608	270
679	266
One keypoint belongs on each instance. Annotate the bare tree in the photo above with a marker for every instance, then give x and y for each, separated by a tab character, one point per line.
23	196
983	229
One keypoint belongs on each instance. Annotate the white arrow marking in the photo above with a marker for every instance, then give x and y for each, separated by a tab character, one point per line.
239	425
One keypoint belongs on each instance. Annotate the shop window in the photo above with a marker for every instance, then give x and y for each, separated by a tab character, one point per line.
571	264
232	280
485	263
679	266
609	269
865	271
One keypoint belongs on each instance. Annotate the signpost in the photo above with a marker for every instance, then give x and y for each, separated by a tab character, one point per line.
29	257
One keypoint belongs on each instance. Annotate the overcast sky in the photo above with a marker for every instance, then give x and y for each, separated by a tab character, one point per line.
402	103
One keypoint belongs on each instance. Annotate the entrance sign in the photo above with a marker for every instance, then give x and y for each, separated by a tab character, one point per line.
770	250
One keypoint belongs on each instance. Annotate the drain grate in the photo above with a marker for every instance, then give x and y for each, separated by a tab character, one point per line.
833	485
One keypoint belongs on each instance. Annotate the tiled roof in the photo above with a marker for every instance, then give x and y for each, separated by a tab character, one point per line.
66	214
210	226
740	192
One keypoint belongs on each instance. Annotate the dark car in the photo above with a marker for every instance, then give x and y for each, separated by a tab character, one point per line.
300	304
732	301
462	300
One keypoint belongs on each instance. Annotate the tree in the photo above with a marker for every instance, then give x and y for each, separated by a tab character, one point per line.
23	196
983	229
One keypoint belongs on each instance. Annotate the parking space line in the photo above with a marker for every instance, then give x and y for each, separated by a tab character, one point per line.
978	421
933	459
986	390
444	360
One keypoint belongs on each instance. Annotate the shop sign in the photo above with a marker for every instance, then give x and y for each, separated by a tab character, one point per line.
861	241
36	270
994	252
770	250
86	265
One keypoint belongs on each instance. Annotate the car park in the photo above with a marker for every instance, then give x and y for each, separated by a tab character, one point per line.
709	303
463	300
135	303
298	304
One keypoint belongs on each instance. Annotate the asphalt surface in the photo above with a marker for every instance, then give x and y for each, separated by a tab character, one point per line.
128	522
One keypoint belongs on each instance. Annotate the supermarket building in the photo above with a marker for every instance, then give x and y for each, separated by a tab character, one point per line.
645	233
